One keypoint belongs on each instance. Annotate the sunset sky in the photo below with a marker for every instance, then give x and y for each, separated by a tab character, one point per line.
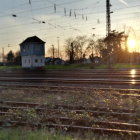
20	19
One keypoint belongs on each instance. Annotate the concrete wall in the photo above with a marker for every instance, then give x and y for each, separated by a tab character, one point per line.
33	61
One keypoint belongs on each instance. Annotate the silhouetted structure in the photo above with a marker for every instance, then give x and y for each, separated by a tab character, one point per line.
32	52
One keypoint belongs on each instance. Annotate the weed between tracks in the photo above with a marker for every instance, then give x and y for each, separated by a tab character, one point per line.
85	97
9	134
24	134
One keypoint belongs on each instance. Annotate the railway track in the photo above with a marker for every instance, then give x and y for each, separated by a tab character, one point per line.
6	105
93	112
70	80
62	82
14	105
73	123
83	129
97	119
55	88
95	78
75	89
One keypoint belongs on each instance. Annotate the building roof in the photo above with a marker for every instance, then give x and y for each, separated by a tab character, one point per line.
32	39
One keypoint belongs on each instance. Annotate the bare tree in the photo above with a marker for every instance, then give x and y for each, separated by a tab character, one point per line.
53	51
81	44
100	45
76	48
69	49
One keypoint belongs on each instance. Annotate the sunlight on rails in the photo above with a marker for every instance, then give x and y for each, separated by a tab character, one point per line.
133	73
133	81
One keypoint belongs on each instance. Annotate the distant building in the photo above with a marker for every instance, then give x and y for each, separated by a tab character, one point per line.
32	52
95	60
55	61
58	61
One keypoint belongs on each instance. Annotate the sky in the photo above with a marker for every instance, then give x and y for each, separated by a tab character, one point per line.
50	19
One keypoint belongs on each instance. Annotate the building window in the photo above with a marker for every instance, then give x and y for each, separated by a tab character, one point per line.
25	60
29	61
37	48
23	49
41	60
36	60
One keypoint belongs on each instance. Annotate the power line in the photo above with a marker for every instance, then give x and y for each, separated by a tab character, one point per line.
32	23
44	7
25	23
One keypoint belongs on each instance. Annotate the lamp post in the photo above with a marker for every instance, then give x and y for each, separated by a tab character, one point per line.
58	45
93	44
53	52
3	54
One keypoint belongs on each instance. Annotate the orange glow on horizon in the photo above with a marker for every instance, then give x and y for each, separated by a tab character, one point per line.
131	43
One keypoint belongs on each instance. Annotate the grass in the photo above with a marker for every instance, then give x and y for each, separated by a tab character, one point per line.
77	66
96	98
27	134
76	97
82	97
127	66
17	134
10	67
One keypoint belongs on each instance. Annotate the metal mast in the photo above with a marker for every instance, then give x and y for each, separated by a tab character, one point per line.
108	20
58	45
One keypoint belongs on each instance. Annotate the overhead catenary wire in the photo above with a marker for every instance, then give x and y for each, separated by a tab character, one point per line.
44	7
60	18
20	12
24	11
31	23
51	20
87	14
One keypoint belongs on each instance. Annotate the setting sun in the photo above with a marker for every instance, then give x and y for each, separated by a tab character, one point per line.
131	44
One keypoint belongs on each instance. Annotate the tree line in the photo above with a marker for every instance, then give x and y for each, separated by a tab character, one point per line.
110	49
13	58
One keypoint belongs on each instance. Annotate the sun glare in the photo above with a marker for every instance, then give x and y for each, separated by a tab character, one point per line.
133	73
131	44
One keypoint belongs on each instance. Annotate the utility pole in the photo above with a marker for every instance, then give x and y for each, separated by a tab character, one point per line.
93	45
53	53
58	45
72	53
3	55
108	20
108	30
